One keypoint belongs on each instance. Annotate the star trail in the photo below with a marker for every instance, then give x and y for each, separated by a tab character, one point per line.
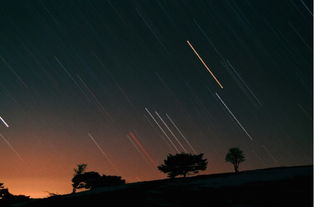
121	84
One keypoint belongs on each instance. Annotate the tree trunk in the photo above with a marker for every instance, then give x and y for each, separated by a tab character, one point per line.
236	168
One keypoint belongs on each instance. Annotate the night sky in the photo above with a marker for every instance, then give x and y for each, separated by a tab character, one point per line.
116	85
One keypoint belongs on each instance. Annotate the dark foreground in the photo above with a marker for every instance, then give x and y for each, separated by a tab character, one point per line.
280	187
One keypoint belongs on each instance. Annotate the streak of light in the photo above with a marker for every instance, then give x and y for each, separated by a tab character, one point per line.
13	71
175	137
306	7
153	127
161	129
199	57
208	39
150	27
260	159
69	74
235	118
140	152
114	80
180	132
4	122
300	36
72	78
102	108
12	148
5	92
103	153
269	153
305	112
49	13
142	148
238	76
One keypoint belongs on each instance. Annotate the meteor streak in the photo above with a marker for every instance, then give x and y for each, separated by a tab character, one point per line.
5	123
235	118
199	57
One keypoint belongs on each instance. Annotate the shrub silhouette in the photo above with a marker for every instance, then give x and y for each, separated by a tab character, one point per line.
183	164
92	180
235	156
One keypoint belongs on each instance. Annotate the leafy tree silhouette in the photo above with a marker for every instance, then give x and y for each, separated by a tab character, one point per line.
86	180
80	169
92	180
183	164
235	156
109	180
7	198
4	193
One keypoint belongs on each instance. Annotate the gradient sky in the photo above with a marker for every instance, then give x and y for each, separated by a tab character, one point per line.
76	72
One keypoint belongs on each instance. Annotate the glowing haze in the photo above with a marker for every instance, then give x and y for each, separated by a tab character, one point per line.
120	84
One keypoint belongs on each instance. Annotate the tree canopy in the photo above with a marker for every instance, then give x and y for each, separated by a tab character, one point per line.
183	164
235	156
7	198
91	180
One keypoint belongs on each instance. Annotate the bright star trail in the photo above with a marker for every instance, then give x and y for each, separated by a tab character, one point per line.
162	130
103	153
174	136
11	147
234	117
141	148
120	84
4	122
199	57
185	139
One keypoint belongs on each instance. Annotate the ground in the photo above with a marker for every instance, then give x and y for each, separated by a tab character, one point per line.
284	186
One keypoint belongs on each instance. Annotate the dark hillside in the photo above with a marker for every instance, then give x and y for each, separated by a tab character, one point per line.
285	186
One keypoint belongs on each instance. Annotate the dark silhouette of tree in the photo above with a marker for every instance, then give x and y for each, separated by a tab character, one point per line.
80	169
235	156
92	180
7	198
4	193
86	180
183	164
110	180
